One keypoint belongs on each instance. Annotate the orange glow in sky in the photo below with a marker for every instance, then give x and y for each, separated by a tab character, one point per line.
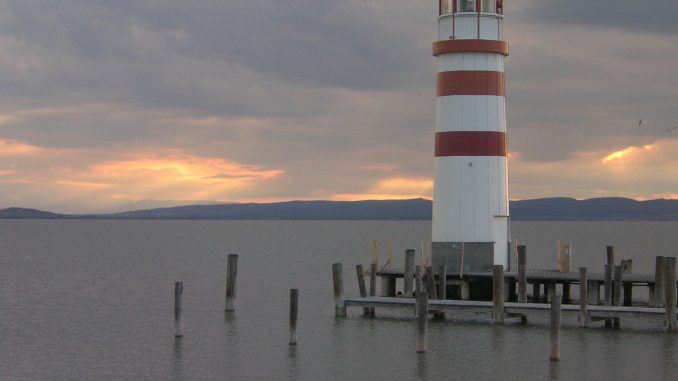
625	152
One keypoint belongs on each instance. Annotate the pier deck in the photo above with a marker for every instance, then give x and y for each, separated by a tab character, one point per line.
510	308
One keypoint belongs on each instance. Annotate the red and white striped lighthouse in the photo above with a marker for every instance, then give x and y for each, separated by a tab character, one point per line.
470	201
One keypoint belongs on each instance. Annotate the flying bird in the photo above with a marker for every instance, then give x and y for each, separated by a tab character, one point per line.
640	121
672	128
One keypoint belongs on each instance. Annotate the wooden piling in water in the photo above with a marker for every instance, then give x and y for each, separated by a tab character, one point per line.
178	292
593	296
431	283
617	294
231	277
555	325
418	282
338	283
409	273
361	286
294	312
536	292
609	270
583	298
608	285
442	279
498	293
422	320
522	274
657	296
373	283
670	293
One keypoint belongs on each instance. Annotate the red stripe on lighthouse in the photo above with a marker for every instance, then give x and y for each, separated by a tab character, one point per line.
470	82
470	143
462	46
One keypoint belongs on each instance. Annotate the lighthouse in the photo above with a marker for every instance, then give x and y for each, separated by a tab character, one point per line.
470	231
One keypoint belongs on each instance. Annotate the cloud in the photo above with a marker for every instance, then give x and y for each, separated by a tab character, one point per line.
338	95
392	188
656	16
641	172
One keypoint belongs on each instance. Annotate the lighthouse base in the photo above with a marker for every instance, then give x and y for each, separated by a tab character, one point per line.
475	257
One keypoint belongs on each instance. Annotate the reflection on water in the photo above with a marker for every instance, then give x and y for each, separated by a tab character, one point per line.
177	364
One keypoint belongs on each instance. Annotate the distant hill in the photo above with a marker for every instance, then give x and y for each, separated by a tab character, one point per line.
28	213
557	209
601	209
416	209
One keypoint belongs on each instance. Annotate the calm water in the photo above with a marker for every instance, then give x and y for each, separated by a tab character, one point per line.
94	300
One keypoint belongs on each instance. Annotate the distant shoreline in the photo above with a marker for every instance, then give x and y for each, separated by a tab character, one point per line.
544	209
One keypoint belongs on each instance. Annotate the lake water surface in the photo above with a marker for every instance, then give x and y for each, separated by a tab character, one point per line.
85	300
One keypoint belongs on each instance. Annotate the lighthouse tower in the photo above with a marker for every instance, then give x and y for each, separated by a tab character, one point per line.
470	201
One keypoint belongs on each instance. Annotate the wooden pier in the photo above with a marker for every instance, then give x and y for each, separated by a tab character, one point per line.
511	309
503	295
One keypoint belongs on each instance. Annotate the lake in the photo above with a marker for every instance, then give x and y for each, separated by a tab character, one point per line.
93	299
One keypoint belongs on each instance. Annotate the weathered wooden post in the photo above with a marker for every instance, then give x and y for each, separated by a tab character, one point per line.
608	285
361	286
555	324
498	293
522	274
418	283
536	292
583	298
294	311
442	278
616	298
373	283
657	293
422	320
231	277
617	289
609	269
670	293
338	282
409	273
178	292
593	296
431	283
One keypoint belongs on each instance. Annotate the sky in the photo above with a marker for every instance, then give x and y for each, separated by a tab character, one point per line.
106	103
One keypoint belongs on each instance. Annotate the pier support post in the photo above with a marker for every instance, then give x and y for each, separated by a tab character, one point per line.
388	286
616	293
657	292
609	270
593	292
555	325
431	283
178	292
231	278
583	298
442	279
536	292
338	282
670	293
361	286
373	283
522	274
294	311
418	283
608	285
422	320
409	273
498	293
